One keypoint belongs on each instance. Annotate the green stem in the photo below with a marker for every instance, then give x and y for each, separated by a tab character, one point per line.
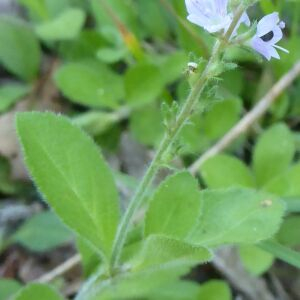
168	141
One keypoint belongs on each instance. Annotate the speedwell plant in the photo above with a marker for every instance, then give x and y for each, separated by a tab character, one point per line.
167	229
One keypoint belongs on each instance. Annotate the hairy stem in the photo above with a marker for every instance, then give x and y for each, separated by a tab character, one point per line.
168	140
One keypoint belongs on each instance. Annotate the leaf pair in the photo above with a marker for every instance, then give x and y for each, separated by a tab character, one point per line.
212	217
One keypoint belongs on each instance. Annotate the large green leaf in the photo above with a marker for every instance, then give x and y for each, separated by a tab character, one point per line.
66	26
273	153
237	216
72	175
38	291
90	83
175	207
222	171
42	232
19	48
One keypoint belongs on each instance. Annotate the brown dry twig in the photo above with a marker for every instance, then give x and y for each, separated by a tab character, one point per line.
61	269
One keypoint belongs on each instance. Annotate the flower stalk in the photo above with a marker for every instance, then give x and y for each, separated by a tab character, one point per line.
169	139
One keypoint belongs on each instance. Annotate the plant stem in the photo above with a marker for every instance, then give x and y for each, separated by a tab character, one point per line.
168	141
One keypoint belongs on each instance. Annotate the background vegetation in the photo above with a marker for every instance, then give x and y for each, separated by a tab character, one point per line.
112	66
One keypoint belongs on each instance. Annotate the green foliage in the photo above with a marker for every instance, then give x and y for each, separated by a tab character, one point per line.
65	27
161	261
218	117
215	290
237	216
11	94
175	207
19	50
79	188
141	78
8	288
221	117
255	260
89	257
289	234
42	232
273	153
113	63
38	291
140	121
89	83
222	171
159	250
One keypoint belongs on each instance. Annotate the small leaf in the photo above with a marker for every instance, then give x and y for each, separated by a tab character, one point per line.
255	260
72	175
222	116
160	250
11	94
175	207
273	153
8	288
222	171
237	216
96	122
215	290
90	83
286	183
38	291
42	232
172	66
19	48
139	125
111	55
143	84
289	233
66	26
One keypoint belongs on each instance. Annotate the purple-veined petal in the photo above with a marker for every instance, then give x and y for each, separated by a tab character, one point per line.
198	19
209	14
221	6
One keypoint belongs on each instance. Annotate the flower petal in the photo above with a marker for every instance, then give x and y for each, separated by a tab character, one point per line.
221	6
277	35
261	47
267	24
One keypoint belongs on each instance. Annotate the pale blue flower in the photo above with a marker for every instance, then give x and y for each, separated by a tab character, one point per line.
212	15
269	33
